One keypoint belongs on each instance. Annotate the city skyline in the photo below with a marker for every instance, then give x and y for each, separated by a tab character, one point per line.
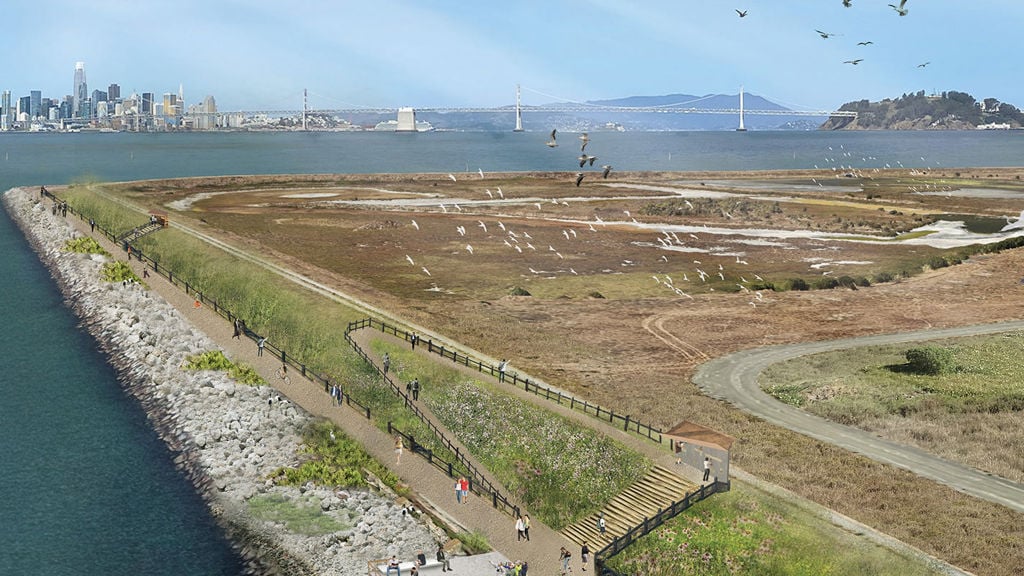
401	53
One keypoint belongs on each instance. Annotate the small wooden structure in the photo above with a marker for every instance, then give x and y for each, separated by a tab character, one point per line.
158	217
692	442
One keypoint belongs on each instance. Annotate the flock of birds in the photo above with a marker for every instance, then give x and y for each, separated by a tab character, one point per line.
584	158
901	9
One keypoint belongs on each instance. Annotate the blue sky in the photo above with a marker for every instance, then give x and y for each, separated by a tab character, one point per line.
260	54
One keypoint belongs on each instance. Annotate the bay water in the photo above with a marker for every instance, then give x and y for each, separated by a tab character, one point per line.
88	487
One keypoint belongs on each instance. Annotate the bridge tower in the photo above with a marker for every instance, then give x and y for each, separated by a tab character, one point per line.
305	107
741	128
519	112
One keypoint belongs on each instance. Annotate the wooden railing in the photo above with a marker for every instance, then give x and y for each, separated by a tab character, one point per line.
649	524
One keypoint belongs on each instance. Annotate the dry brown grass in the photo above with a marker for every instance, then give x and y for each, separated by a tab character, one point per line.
637	348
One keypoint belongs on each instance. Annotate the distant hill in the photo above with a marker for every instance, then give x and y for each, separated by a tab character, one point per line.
947	111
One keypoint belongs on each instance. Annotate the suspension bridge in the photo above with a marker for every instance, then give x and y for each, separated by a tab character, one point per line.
564	106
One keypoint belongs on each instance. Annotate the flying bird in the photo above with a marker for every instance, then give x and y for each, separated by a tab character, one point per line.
923	65
415	225
482	225
452	176
825	35
847	3
552	143
425	271
607	169
900	9
481	171
579	177
742	14
409	258
868	43
854	62
469	248
500	194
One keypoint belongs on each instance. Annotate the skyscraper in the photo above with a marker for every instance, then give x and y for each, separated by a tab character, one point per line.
81	91
5	110
35	103
113	93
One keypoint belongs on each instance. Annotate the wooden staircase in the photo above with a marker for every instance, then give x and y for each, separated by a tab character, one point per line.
656	491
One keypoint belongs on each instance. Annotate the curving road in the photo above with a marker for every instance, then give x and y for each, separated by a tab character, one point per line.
733	378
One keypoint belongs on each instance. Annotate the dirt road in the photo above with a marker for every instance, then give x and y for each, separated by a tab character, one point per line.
734	379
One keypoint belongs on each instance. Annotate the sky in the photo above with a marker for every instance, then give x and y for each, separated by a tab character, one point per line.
261	54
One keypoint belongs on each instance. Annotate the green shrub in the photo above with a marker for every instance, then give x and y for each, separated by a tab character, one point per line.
215	360
519	291
930	360
85	245
825	283
335	460
936	262
793	284
303	516
118	271
882	277
474	542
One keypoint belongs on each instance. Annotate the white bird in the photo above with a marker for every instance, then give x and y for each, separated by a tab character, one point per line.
688	205
566	234
332	435
656	279
551	248
415	225
518	249
409	258
694	236
626	213
900	9
559	255
469	248
534	271
592	229
457	207
461	230
452	176
552	143
759	278
500	195
573	271
744	280
500	225
537	204
696	261
443	209
685	278
720	275
526	235
508	244
482	225
664	258
481	171
425	271
530	246
720	267
489	194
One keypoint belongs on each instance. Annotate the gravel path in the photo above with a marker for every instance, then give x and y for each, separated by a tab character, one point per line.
733	378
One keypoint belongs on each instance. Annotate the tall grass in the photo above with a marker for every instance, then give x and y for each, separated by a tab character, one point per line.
561	470
744	531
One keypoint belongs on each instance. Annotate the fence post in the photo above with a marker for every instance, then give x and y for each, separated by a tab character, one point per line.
626	426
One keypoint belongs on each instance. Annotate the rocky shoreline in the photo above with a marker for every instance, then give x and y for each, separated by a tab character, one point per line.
227	437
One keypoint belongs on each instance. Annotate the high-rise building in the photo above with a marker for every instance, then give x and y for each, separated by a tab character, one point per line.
98	96
147	103
24	103
5	110
81	89
113	93
35	103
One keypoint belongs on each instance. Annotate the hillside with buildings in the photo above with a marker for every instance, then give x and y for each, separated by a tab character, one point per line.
946	111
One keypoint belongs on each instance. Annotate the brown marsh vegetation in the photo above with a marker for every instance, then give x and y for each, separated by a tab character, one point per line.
598	323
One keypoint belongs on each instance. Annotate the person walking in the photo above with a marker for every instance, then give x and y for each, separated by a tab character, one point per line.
398	449
413	340
458	491
501	370
92	225
520	529
464	488
260	344
707	468
238	329
565	557
526	526
387	363
600	523
415	389
584	555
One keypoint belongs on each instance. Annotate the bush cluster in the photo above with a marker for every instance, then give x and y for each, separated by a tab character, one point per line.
931	360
